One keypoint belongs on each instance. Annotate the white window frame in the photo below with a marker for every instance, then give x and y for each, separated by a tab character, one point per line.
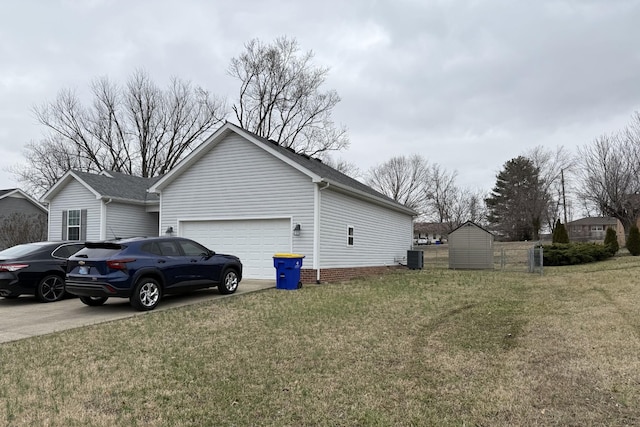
350	235
597	228
77	226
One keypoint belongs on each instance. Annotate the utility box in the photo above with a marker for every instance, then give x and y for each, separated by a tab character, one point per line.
415	260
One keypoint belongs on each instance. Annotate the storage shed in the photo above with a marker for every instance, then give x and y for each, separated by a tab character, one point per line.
470	247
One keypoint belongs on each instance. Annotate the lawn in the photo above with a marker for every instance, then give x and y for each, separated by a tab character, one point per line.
432	347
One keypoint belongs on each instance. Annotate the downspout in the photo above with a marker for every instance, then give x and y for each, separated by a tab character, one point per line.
103	227
316	231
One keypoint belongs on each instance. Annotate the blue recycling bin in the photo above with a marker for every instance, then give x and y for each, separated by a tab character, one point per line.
288	271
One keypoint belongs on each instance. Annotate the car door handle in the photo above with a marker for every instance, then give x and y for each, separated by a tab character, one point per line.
194	260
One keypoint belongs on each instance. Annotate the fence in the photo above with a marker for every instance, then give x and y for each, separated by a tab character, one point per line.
507	256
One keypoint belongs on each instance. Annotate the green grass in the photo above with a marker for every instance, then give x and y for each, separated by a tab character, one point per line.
433	347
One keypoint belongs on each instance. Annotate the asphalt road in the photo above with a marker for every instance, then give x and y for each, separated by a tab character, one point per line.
25	317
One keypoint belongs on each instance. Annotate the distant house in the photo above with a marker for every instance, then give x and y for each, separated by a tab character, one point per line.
594	229
22	218
432	232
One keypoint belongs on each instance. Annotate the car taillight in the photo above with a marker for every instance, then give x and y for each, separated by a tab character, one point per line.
119	264
12	267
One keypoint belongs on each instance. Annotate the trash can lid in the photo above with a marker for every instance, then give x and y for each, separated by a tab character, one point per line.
288	256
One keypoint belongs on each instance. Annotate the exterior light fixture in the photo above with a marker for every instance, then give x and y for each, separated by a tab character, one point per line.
169	231
296	230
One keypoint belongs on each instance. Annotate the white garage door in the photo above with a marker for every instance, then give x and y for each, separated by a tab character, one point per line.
253	241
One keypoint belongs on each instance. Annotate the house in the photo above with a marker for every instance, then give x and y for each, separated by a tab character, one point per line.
432	232
88	206
591	229
470	247
16	205
242	194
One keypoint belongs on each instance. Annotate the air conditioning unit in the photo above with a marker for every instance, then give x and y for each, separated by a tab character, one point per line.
415	260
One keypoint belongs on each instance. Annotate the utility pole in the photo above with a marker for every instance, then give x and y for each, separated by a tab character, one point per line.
564	199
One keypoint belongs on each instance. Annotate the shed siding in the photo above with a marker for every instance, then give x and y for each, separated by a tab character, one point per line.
381	236
470	247
125	220
253	184
74	196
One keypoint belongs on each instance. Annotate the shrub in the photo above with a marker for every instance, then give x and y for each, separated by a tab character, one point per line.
574	253
560	234
611	241
633	241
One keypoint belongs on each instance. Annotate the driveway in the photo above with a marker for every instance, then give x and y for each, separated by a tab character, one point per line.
24	317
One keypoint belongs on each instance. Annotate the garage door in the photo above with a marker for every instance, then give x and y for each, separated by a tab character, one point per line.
253	241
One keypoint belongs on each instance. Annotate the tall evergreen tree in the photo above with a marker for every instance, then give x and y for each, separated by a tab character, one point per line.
518	201
560	234
633	241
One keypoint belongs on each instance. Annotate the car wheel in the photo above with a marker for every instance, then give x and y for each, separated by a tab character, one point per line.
229	282
146	295
50	289
94	301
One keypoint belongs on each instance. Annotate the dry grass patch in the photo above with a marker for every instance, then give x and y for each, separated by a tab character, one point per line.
433	347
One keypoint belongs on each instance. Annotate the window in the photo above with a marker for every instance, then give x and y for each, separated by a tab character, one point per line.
73	224
169	248
597	228
192	249
65	251
349	236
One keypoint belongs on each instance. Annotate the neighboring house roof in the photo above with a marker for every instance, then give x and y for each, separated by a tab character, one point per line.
314	168
16	192
109	185
594	220
431	227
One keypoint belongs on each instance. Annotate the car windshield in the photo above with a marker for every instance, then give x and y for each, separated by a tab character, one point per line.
20	250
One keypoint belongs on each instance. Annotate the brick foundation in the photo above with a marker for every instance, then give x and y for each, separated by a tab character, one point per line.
343	274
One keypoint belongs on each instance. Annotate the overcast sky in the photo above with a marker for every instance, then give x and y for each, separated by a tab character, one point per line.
466	84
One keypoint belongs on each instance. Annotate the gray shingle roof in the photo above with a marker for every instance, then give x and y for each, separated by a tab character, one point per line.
594	220
120	186
3	192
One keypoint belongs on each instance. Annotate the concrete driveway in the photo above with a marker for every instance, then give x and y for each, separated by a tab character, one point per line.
24	317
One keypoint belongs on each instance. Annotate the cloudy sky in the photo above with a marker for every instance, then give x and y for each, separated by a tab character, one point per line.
468	84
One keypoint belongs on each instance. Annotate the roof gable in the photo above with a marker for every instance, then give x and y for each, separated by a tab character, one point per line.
313	168
108	185
16	192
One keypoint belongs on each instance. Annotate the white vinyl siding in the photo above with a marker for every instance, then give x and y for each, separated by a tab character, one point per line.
380	235
236	180
126	220
74	196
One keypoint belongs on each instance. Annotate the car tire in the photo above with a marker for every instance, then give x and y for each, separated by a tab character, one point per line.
229	282
50	288
146	295
94	301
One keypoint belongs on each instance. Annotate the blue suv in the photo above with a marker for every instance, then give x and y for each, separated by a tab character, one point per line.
144	269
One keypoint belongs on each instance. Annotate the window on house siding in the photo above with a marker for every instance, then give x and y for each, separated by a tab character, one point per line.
597	228
73	224
349	236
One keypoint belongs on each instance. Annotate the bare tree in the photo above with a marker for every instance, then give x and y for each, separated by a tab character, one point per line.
281	99
138	129
18	228
441	193
609	174
403	179
555	172
348	168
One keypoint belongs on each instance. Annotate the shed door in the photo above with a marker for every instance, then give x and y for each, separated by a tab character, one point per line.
253	241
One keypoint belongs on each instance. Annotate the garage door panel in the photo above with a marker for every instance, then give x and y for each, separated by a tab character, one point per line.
253	241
